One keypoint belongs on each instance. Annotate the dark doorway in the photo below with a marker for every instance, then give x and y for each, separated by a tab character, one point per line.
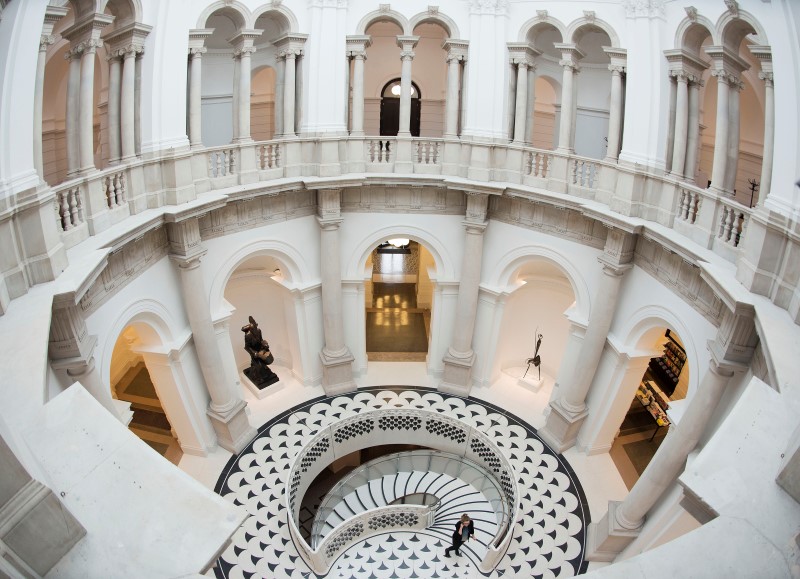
390	109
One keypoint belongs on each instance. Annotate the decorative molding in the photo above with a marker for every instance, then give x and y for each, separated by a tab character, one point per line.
590	16
493	7
327	3
385	8
433	10
403	200
251	213
541	14
691	13
733	7
644	8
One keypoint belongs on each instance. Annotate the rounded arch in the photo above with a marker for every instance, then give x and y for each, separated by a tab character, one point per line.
235	10
152	320
296	266
575	30
732	29
691	33
641	325
382	16
535	23
396	79
500	275
285	16
354	267
125	11
442	20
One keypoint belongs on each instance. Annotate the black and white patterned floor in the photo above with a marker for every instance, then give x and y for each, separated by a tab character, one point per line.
548	541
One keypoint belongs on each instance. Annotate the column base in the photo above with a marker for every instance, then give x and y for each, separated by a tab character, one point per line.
233	428
561	429
457	375
337	373
606	538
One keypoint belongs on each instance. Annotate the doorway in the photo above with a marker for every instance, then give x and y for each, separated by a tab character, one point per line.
390	109
647	420
398	302
131	382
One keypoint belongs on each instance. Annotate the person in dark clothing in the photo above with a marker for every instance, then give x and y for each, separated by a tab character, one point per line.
465	530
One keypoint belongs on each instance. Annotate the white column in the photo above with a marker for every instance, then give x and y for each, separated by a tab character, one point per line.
769	135
38	99
86	112
406	58
566	129
244	93
280	66
670	458
721	138
451	107
235	98
358	92
673	97
73	108
521	104
734	117
615	113
127	105
114	119
289	104
681	124
693	141
195	96
137	103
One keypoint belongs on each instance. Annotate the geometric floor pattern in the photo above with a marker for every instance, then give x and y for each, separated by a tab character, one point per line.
548	539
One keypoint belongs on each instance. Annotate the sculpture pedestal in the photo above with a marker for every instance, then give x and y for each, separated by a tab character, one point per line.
265	389
531	380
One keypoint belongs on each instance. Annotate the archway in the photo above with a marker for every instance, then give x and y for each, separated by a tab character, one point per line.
652	407
593	90
390	108
131	381
398	301
262	104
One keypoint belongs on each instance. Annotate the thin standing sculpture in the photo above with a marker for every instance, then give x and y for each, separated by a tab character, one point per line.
259	372
536	360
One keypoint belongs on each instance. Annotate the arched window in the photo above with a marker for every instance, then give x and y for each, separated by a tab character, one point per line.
390	108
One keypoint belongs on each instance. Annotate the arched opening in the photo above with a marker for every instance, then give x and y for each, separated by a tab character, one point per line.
398	301
430	70
652	407
131	381
262	104
546	96
533	324
266	85
256	289
390	108
593	89
382	64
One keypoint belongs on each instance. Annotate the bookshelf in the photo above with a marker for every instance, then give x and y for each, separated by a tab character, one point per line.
666	370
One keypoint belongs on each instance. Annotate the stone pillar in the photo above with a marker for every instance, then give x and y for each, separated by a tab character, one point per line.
137	103
243	48
73	106
734	116
619	60
86	106
280	74
615	113
769	135
127	119
237	71
570	55
406	44
38	99
114	118
521	104
289	103
36	529
732	349
357	50
569	410
681	124
197	38
458	362
456	56
337	361
227	412
693	140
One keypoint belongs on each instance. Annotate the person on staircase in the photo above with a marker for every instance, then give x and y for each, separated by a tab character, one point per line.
465	530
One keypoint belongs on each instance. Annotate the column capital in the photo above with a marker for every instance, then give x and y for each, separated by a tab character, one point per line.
570	56
477	206
70	343
619	248
407	44
726	61
522	53
329	207
767	77
197	52
456	49
245	50
356	45
185	245
616	69
737	337
197	38
680	60
45	40
243	40
129	38
679	76
290	45
87	28
617	56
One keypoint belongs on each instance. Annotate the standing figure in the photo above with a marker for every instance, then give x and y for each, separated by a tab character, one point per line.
259	372
465	530
536	360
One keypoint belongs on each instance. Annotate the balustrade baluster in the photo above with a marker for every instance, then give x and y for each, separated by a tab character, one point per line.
64	211
73	207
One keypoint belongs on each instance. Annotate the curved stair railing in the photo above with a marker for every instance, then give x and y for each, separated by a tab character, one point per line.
458	484
413	426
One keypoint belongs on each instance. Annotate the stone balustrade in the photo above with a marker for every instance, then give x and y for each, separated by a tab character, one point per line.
415	426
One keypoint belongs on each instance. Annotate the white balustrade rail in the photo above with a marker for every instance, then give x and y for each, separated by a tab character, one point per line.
538	163
427	152
115	189
689	205
269	155
584	172
69	208
414	426
221	162
380	150
732	222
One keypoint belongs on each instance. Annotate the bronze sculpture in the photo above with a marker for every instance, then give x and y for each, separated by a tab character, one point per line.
259	372
536	360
